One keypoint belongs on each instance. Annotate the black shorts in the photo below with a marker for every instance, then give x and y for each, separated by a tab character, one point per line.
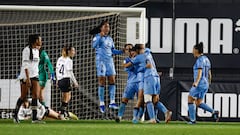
64	85
32	79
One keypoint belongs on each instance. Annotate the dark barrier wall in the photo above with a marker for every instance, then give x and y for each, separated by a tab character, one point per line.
217	26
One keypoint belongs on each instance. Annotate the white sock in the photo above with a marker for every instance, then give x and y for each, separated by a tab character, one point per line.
112	102
102	103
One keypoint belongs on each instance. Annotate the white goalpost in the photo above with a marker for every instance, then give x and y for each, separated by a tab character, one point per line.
58	26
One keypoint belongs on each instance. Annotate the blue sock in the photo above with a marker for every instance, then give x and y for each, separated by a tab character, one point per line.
150	109
112	89
161	107
101	94
141	112
156	112
121	109
206	107
192	111
135	113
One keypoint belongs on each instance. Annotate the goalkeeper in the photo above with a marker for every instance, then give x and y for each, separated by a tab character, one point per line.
43	74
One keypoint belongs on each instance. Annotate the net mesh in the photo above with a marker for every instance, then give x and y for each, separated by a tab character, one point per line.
57	29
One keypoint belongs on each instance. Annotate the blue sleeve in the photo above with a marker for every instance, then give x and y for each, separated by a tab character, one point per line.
117	52
200	64
96	41
147	51
135	60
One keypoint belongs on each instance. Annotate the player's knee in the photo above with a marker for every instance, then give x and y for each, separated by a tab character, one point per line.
147	98
125	100
190	99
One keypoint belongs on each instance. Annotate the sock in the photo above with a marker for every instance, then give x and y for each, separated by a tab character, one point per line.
150	109
141	112
156	113
121	109
192	111
161	107
101	94
64	107
135	112
18	105
206	107
34	109
112	90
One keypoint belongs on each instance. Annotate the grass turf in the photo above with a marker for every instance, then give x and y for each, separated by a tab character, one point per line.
100	127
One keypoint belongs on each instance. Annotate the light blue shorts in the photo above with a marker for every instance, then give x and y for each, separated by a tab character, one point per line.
130	90
105	68
152	85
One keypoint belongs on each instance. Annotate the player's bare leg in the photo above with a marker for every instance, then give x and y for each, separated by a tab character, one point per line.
24	92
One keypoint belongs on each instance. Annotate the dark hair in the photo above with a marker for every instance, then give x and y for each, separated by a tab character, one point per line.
199	47
97	29
65	50
128	45
138	46
31	40
133	49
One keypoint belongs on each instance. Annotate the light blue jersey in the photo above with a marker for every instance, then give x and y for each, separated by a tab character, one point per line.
104	47
202	63
149	59
151	78
132	77
200	91
139	64
131	88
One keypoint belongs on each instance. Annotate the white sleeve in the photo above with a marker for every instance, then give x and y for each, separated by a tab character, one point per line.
25	58
72	77
69	66
57	73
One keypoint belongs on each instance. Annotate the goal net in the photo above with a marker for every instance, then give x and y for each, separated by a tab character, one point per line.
59	26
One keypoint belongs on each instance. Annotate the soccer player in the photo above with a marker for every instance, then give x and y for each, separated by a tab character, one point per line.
43	75
25	112
65	77
139	64
29	76
152	88
202	78
104	47
131	88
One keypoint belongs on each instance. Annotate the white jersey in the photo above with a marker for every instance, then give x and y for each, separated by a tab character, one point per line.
64	68
26	113
31	65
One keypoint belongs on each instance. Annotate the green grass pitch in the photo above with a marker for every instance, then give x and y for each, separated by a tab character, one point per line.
100	127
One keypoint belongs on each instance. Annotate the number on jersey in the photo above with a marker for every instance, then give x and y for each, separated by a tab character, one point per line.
61	71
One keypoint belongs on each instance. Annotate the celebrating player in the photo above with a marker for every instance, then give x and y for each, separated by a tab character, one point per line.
104	47
139	64
131	88
29	76
65	77
202	78
152	88
43	75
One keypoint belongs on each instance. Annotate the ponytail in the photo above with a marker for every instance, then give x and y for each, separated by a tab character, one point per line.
32	40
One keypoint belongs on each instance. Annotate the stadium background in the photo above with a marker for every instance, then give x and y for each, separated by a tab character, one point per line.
226	73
